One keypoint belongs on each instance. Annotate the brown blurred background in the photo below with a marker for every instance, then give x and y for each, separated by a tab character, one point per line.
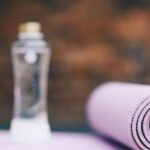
92	41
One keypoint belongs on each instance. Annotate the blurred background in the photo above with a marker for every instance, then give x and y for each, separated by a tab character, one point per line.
92	41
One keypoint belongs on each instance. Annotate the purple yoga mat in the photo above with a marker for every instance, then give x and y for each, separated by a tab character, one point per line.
122	112
59	141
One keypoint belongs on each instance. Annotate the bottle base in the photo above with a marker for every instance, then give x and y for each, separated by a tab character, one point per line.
30	130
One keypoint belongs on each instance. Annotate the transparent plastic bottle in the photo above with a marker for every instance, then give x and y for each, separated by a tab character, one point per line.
30	55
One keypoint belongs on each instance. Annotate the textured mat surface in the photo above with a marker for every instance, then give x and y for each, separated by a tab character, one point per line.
59	141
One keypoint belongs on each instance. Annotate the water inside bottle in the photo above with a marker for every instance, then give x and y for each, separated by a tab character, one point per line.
30	69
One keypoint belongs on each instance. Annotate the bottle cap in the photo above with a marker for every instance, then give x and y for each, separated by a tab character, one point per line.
30	29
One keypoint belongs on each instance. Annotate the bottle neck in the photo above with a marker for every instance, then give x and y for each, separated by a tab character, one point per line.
32	35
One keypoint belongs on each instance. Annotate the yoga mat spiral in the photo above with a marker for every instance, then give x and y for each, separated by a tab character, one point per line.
122	111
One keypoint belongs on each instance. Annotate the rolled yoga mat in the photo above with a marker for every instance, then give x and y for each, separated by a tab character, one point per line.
122	112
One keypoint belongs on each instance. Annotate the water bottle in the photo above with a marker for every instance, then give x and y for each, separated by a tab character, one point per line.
30	56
